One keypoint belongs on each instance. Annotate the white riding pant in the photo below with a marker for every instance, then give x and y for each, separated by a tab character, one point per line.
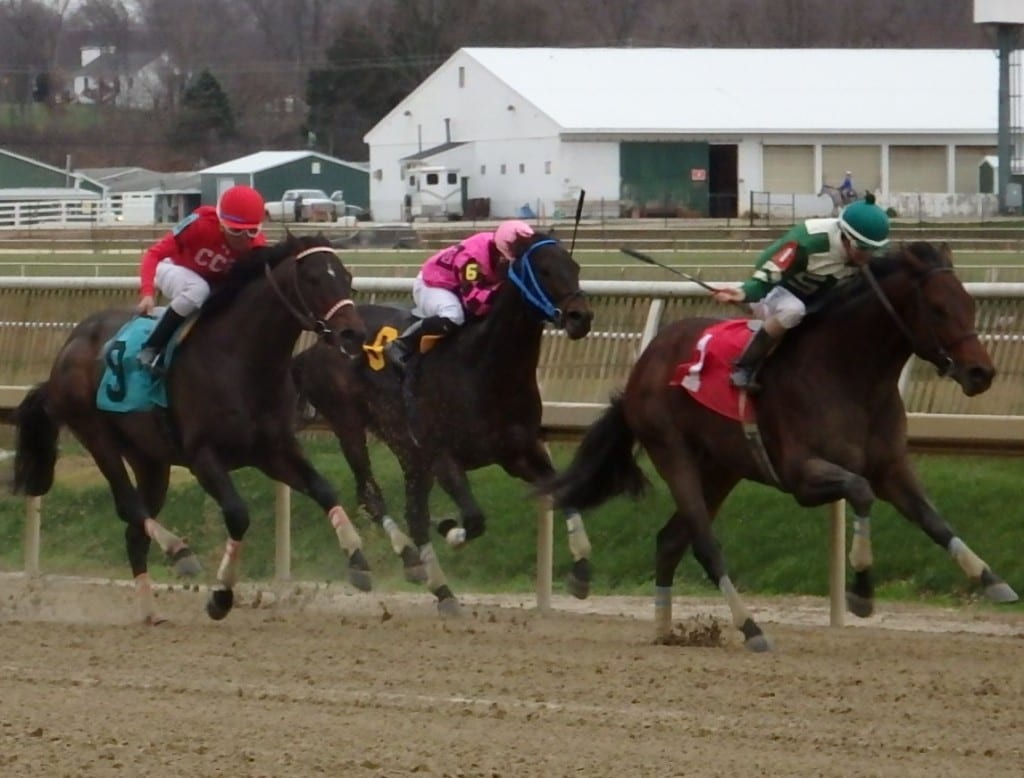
435	301
781	305
186	289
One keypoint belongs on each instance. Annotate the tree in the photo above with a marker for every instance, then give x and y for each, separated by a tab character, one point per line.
205	116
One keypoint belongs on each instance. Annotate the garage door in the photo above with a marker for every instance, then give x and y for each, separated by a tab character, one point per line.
789	169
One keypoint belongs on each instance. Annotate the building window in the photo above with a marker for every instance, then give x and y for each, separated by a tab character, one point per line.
503	168
522	167
378	175
316	168
453	178
412	180
483	170
462	77
431	179
547	168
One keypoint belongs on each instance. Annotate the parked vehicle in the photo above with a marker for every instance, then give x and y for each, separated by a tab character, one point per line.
302	205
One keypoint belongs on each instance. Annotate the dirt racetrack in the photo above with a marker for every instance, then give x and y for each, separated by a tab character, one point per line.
324	682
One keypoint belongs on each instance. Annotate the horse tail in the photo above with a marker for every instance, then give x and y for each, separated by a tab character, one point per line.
603	466
35	454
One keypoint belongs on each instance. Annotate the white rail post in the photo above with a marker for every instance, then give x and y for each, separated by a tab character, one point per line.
545	556
282	532
33	512
837	563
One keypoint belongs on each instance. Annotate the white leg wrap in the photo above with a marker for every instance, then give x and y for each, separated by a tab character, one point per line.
662	612
969	562
147	605
230	564
860	548
164	538
348	538
435	576
399	539
579	543
740	614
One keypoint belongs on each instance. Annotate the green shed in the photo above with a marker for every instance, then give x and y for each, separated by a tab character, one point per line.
18	172
272	173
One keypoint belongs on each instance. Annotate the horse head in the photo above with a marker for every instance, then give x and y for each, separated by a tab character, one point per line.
549	279
316	287
940	322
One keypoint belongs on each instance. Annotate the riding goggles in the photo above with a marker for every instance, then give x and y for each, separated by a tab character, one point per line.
237	232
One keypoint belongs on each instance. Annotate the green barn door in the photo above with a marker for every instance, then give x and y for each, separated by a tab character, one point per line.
664	179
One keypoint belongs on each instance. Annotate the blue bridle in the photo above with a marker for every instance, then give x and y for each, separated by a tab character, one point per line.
521	274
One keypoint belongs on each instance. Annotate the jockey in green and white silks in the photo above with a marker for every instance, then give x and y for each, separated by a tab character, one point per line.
796	269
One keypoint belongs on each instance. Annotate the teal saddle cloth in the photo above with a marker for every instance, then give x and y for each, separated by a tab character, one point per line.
127	386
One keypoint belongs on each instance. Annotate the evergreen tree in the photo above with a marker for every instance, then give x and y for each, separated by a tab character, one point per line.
206	114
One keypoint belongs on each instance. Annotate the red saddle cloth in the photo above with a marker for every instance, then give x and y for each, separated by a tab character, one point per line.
706	375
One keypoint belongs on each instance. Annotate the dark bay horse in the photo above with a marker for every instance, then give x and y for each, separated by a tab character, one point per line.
231	400
476	403
830	416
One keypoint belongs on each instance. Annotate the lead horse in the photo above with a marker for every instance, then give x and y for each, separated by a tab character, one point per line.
474	402
231	405
830	415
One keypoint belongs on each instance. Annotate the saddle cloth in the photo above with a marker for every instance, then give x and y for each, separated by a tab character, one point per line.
706	374
126	386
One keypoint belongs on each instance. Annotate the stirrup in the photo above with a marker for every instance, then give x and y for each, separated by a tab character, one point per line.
744	378
151	360
397	355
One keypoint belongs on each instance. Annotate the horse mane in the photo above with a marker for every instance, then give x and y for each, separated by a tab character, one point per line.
251	266
853	292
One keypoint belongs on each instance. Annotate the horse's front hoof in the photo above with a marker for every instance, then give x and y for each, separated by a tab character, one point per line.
996	589
859	606
754	639
359	571
578	580
185	563
453	534
220	603
447	605
412	566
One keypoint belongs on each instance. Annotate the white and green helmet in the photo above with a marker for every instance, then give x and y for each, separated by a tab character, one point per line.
865	224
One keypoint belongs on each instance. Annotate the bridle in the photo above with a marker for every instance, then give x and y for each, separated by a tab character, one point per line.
521	274
303	313
943	361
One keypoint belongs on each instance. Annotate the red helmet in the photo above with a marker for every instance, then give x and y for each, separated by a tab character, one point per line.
241	208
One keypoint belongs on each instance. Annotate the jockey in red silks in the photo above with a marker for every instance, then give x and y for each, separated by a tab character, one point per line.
197	252
457	282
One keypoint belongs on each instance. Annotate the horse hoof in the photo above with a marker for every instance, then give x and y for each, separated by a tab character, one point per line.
412	566
220	603
759	644
1001	592
456	538
185	563
859	606
578	580
449	608
359	571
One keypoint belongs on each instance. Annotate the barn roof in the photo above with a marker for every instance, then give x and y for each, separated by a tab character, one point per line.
266	160
136	179
754	90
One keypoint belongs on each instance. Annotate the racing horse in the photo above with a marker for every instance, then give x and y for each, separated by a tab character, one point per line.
473	401
838	197
831	420
231	404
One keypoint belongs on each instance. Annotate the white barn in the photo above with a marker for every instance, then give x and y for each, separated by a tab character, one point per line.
694	131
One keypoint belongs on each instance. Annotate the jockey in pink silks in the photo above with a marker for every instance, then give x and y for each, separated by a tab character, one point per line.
457	282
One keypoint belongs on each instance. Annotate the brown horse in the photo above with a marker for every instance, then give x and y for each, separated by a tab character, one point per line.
475	400
231	405
830	415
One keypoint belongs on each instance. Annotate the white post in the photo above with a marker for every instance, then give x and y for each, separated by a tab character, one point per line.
545	557
837	563
33	511
283	533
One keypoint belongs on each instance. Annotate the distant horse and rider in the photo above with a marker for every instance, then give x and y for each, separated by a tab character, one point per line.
472	400
841	195
230	404
827	424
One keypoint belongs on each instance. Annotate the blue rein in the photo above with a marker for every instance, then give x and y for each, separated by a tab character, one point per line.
521	274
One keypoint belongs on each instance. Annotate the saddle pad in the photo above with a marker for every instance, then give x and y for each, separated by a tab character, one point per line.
706	375
126	386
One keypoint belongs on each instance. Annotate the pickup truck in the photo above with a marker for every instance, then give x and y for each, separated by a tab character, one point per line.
314	206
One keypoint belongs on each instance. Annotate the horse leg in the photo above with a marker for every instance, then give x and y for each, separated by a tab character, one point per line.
536	468
290	466
820	481
901	487
453	480
682	474
419	478
141	527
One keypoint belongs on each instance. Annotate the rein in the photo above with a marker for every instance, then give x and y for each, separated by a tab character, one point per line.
945	361
307	319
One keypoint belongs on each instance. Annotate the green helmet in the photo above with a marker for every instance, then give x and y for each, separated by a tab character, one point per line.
865	223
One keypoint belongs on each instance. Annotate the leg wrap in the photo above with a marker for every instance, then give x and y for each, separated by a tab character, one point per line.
969	562
662	611
230	564
164	538
347	535
860	549
579	543
435	576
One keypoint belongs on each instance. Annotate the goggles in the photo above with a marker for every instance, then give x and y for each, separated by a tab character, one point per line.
237	232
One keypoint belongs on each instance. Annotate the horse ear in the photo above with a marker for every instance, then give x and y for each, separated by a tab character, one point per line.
946	253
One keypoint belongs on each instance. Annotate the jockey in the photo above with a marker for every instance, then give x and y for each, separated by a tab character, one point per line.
846	190
797	268
458	281
197	252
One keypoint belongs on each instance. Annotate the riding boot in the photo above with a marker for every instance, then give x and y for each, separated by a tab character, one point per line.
152	350
398	351
749	362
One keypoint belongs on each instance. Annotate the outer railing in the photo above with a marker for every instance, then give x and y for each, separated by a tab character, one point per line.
576	377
